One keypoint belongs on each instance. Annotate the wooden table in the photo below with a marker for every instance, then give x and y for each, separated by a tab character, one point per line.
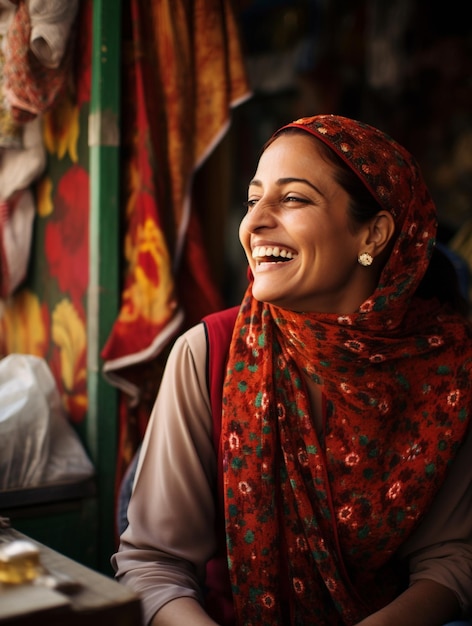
82	596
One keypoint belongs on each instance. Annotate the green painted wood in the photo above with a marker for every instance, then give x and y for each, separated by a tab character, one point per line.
69	526
103	297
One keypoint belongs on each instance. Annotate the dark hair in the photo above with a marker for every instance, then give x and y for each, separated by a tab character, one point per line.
362	205
440	280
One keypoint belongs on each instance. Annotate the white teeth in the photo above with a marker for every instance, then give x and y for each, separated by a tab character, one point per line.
265	251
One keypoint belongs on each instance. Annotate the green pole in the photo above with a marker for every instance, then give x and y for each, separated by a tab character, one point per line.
103	296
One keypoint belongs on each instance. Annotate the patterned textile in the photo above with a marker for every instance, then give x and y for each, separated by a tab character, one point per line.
32	87
46	316
10	131
397	390
184	73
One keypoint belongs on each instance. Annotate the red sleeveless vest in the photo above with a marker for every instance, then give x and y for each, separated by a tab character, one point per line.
219	328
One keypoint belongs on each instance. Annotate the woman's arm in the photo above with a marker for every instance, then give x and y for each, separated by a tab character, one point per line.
425	603
182	611
170	537
440	557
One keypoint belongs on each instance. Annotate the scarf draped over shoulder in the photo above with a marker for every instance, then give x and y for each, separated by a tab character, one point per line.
313	522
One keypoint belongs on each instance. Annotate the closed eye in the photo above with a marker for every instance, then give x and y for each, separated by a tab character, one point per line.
289	201
295	202
295	199
250	203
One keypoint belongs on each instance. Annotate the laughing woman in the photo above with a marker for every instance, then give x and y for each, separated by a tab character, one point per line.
307	458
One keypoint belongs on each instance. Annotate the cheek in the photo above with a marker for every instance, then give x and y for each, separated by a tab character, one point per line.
243	233
324	247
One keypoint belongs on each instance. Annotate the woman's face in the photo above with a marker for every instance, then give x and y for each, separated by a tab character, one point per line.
300	244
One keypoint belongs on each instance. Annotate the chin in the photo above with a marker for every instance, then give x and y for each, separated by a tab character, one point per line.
264	296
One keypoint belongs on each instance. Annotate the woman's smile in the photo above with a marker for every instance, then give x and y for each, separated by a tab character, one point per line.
272	255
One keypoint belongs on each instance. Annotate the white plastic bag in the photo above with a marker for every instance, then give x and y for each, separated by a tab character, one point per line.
38	446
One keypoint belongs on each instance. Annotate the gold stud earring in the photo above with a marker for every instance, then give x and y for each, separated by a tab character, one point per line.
365	259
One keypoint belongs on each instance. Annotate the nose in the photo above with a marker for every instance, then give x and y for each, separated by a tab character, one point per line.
261	215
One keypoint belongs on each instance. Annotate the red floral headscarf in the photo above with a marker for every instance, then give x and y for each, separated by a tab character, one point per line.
312	525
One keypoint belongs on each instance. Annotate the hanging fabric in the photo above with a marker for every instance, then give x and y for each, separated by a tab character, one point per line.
184	73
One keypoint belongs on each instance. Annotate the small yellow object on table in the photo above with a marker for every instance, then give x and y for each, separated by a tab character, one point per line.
40	586
19	562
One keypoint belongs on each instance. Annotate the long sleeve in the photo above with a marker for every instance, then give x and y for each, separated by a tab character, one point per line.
170	537
441	547
163	552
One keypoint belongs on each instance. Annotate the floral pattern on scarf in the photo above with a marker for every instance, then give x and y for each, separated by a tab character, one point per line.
342	504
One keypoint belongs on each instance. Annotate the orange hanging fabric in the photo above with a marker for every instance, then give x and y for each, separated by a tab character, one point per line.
186	72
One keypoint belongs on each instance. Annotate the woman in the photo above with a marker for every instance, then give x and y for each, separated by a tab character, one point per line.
339	490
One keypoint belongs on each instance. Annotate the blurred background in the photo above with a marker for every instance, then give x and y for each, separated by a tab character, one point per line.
404	66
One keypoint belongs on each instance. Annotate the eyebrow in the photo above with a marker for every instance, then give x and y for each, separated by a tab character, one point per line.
285	181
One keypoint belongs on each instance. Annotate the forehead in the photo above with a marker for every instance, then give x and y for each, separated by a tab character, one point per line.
295	154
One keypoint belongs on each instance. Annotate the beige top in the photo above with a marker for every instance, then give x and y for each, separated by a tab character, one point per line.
163	552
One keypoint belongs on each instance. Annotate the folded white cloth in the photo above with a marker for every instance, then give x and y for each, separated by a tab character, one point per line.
19	167
16	232
51	21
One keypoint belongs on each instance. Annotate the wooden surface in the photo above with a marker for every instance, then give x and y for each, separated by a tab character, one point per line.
81	596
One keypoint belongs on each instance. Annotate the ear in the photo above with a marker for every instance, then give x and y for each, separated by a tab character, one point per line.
378	233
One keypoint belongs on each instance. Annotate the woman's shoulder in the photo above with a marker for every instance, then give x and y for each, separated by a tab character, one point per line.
212	333
189	347
192	336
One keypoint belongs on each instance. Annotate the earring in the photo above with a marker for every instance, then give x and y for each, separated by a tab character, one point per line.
365	259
